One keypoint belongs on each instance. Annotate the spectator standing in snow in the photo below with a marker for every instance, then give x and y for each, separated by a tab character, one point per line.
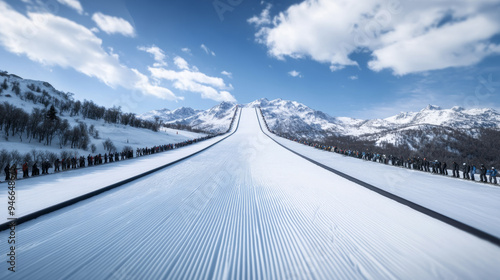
472	172
25	170
34	170
445	171
455	170
56	165
493	175
13	171
482	175
68	163
45	167
439	169
465	174
7	172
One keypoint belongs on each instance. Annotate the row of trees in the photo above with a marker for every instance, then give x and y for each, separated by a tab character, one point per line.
443	144
446	144
45	124
64	104
42	126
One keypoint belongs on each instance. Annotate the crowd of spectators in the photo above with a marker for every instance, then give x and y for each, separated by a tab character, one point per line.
416	163
74	162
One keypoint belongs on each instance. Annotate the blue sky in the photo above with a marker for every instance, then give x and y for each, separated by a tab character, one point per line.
365	59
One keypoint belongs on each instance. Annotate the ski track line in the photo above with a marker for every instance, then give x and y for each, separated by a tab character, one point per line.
36	214
431	213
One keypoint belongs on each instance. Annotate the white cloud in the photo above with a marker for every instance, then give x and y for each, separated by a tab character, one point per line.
181	63
207	50
74	4
187	50
227	74
158	54
444	47
263	18
112	25
354	77
294	73
405	36
57	41
190	79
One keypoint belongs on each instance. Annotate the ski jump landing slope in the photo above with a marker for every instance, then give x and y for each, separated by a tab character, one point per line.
245	209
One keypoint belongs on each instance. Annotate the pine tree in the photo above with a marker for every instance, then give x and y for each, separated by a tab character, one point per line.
52	113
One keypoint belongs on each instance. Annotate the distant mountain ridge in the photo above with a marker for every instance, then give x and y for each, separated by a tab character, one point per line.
167	115
292	117
468	135
213	120
288	117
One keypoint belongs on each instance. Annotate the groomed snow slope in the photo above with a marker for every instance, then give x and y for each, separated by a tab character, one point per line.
472	203
246	209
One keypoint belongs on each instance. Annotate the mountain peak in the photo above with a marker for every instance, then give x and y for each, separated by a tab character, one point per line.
225	105
457	108
184	111
432	108
257	103
163	110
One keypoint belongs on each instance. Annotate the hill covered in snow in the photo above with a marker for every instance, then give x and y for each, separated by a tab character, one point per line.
295	118
412	130
27	125
446	134
213	120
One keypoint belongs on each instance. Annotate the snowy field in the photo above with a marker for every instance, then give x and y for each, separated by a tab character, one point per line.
247	209
472	203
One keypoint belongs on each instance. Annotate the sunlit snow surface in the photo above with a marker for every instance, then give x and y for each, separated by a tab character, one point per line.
472	203
245	209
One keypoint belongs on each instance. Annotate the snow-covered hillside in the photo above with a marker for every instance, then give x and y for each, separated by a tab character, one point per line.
295	118
291	116
30	94
213	120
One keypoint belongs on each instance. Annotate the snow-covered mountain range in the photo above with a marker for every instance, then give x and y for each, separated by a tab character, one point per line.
214	120
285	116
294	118
167	116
